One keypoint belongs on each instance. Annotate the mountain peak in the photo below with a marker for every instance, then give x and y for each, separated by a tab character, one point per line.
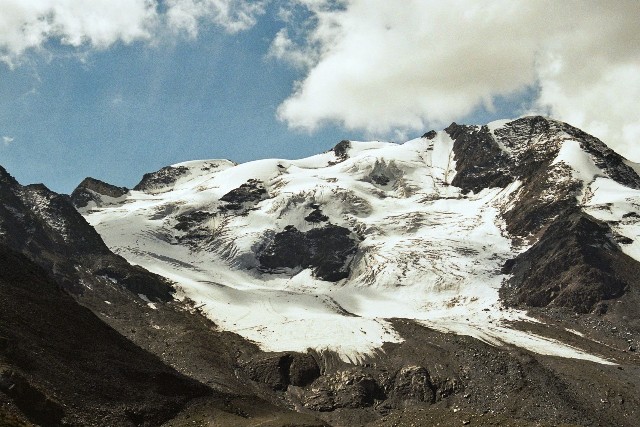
93	192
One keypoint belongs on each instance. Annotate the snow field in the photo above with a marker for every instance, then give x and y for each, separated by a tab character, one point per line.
426	251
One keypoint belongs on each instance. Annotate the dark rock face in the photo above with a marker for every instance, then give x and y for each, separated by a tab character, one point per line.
412	385
193	219
316	216
156	181
480	163
289	249
46	228
430	135
384	173
341	150
64	366
570	266
605	158
280	370
90	189
537	209
247	195
303	370
351	388
327	250
272	370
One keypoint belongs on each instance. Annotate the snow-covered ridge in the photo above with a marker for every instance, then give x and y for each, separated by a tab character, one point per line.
425	250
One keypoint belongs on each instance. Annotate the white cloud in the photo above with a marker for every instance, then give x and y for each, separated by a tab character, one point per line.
232	15
7	140
100	23
283	48
379	65
26	25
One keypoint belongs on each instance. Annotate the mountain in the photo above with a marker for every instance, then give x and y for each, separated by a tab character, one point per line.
433	229
82	341
478	275
521	234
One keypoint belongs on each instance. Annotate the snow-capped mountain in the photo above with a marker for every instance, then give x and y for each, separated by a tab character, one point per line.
460	230
479	275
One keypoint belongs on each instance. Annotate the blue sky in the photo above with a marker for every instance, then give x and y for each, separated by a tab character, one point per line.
131	109
288	79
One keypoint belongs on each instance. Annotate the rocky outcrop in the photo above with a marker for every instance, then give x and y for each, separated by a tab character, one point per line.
430	134
316	215
480	163
280	370
190	220
91	190
327	250
341	150
571	265
245	196
352	388
160	180
411	385
384	173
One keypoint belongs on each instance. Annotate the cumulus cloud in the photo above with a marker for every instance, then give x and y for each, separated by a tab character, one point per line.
29	24
26	25
232	15
7	140
380	65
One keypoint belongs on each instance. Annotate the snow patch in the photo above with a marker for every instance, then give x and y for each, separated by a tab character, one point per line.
581	163
148	301
620	207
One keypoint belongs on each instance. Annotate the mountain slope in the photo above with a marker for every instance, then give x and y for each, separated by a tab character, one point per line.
429	230
44	226
61	365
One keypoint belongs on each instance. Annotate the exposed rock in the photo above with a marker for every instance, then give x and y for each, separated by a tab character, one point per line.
158	181
280	370
345	389
316	216
327	250
341	150
480	163
47	228
270	369
623	240
245	196
570	266
543	196
193	219
562	268
90	190
289	249
33	402
67	367
384	173
605	158
430	135
411	385
304	370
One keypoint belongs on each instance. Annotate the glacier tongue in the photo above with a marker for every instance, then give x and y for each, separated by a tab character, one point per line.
425	250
